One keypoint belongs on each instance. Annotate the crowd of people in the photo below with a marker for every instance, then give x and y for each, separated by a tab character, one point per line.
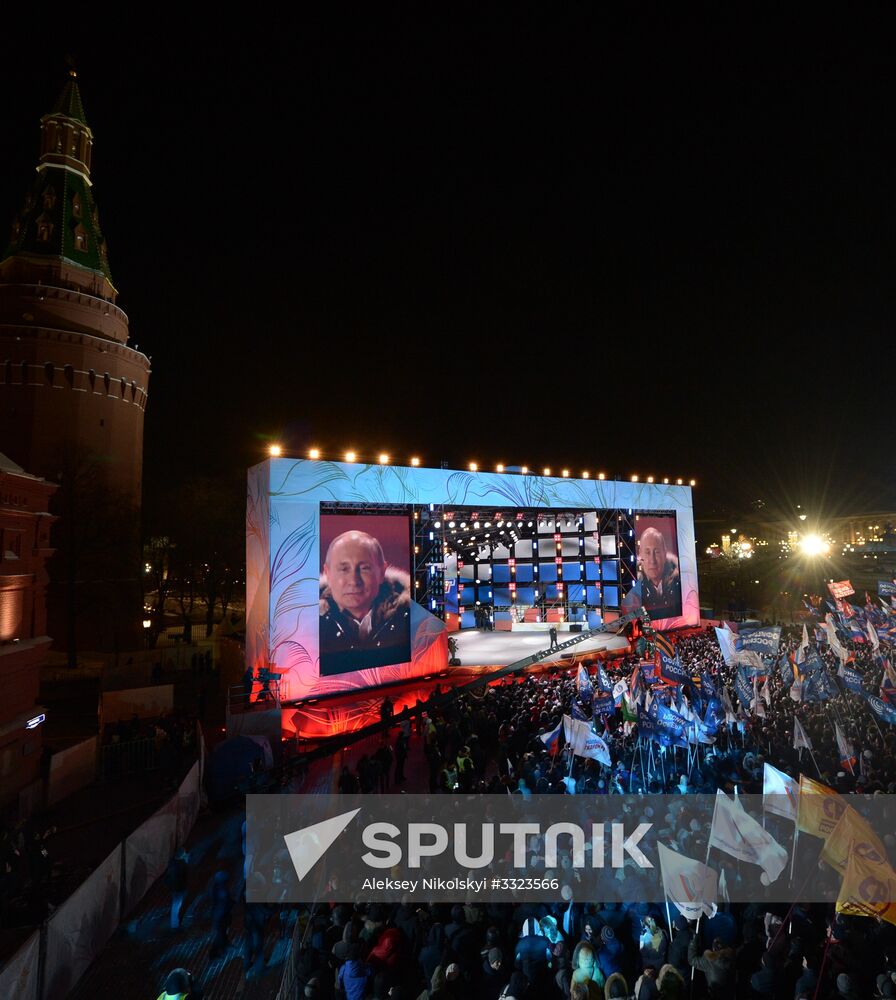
492	743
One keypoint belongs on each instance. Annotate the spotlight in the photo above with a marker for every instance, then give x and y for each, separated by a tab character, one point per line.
634	479
666	481
693	482
350	456
650	479
499	467
314	454
473	467
525	470
679	482
415	461
547	471
565	473
275	451
586	475
384	459
600	475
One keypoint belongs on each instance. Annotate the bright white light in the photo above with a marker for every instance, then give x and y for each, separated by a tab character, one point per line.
275	451
814	545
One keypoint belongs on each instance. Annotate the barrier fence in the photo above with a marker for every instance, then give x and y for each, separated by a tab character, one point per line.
50	963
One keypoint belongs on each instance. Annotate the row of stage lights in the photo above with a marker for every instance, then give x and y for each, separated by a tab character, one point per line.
276	451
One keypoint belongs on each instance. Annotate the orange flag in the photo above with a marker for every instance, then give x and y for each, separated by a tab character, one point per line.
819	808
868	889
853	833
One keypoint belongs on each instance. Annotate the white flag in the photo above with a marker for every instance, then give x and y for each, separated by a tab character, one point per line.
619	690
736	833
833	639
756	704
689	884
796	690
872	635
780	793
723	886
727	640
800	739
843	745
585	742
803	647
765	693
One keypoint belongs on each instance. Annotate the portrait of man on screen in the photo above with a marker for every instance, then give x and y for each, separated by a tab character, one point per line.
365	606
658	575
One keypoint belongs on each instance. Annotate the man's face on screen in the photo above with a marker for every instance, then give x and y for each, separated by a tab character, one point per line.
354	573
653	555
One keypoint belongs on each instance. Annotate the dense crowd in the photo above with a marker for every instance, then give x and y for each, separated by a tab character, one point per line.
492	743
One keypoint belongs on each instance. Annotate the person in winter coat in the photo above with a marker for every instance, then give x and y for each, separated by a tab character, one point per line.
491	976
585	970
386	955
645	987
517	988
717	964
616	988
610	952
354	975
670	983
678	946
654	943
432	953
222	910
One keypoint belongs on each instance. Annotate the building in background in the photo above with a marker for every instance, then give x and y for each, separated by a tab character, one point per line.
24	549
72	392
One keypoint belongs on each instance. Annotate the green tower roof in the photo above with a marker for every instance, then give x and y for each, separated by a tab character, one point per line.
69	101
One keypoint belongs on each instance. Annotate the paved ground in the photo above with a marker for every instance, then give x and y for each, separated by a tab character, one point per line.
137	959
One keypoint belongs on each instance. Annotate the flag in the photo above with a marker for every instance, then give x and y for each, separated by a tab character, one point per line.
762	640
847	754
833	639
804	644
708	685
800	739
852	833
578	712
736	833
819	808
765	694
583	684
629	710
603	704
672	669
619	689
841	589
751	662
690	885
552	740
787	674
723	887
872	636
884	711
636	687
603	682
756	702
851	678
780	793
663	644
728	644
742	687
585	742
886	588
868	890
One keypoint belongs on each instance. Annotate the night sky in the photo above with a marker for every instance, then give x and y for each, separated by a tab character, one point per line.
661	247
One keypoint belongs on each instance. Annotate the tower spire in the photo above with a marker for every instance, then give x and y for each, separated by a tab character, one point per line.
59	221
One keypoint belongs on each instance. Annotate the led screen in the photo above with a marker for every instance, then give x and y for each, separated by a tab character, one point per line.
365	592
659	576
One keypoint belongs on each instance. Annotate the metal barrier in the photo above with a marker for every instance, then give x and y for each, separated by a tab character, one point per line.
116	760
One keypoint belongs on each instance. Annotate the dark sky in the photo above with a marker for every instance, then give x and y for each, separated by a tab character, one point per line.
662	246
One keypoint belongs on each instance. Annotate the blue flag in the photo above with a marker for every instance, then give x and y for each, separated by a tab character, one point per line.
787	672
851	678
743	689
583	684
603	704
578	712
764	641
672	669
603	682
708	685
886	588
884	712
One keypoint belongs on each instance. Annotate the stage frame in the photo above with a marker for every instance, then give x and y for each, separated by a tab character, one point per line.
283	552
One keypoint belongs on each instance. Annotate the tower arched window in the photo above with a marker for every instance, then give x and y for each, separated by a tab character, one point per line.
76	205
24	373
91	378
107	382
69	374
49	372
124	386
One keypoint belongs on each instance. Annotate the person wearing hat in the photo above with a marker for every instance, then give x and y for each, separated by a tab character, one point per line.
491	976
717	964
609	952
846	988
179	986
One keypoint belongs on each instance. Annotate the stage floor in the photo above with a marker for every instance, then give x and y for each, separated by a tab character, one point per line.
498	649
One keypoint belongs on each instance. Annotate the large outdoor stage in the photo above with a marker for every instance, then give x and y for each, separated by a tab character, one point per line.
360	577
